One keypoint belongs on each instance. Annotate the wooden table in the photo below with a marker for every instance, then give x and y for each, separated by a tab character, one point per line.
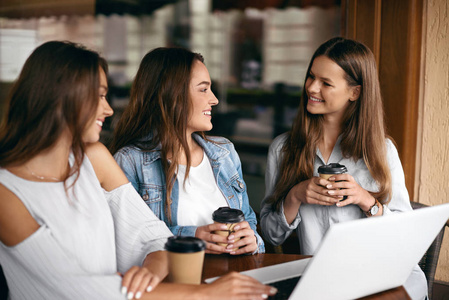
216	265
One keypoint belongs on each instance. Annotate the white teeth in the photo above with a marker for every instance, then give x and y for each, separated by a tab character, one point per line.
99	123
315	99
207	113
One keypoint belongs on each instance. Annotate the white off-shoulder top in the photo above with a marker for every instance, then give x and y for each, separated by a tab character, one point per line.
86	236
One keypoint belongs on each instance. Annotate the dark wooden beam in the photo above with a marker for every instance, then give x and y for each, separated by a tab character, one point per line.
18	9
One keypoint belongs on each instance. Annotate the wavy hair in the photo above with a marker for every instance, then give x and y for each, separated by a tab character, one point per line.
57	90
158	110
363	135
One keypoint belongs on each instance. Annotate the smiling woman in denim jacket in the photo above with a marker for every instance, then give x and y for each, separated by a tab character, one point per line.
181	174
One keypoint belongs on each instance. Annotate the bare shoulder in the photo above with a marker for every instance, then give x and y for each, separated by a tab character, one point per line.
107	170
16	222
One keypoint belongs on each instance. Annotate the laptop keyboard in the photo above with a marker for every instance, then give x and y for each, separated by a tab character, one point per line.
285	288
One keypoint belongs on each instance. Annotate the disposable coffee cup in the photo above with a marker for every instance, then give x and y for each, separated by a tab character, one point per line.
229	217
185	259
330	170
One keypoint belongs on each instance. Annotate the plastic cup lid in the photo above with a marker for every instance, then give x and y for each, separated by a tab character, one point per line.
184	244
332	168
228	215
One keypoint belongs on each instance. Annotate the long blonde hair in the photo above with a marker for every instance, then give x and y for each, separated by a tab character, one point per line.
363	135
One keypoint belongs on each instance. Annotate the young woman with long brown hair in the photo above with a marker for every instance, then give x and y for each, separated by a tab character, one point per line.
339	120
182	175
71	224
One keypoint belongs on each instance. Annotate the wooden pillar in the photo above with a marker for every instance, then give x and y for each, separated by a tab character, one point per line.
392	29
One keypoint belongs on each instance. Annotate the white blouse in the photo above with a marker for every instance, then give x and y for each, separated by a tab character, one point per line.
312	221
86	235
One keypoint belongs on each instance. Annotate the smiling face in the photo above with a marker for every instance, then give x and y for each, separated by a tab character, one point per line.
327	89
92	133
202	99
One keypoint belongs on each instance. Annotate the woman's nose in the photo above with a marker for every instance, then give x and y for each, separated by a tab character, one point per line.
107	109
213	100
313	86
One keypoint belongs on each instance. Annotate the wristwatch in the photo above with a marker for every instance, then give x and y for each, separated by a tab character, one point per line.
373	210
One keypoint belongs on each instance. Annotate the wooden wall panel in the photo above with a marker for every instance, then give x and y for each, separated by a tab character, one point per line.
393	61
363	23
392	29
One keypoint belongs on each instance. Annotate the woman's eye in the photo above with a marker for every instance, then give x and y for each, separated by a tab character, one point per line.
311	76
103	97
326	84
204	90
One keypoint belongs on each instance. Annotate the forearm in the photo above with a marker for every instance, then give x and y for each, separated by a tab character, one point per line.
174	291
274	225
291	206
157	263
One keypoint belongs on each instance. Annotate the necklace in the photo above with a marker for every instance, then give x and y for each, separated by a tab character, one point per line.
42	177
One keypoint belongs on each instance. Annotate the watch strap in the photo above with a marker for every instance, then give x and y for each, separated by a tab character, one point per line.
376	203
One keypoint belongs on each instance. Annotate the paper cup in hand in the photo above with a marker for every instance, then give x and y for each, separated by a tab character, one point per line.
230	217
330	170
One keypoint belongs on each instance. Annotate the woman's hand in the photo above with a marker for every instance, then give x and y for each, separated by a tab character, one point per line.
242	238
207	234
138	280
313	191
345	185
236	286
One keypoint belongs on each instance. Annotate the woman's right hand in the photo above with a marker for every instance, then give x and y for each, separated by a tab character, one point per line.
313	191
236	286
207	234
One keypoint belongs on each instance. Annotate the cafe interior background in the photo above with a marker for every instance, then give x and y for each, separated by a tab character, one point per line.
257	52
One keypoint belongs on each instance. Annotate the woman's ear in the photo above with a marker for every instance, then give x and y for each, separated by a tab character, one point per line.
355	93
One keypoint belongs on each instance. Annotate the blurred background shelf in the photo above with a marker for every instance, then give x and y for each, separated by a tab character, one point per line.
256	52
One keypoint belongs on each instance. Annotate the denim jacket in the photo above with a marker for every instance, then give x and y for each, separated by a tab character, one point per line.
144	171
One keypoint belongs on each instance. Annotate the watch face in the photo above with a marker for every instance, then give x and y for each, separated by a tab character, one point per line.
374	210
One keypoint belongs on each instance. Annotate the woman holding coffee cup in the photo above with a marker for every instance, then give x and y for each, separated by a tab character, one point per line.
180	173
339	121
71	224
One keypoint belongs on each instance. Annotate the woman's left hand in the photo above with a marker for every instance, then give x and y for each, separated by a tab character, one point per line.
242	238
138	280
345	185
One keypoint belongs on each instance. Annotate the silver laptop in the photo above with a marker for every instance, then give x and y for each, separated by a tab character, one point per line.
361	257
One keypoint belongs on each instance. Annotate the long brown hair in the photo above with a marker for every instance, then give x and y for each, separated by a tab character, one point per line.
158	110
363	135
56	89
